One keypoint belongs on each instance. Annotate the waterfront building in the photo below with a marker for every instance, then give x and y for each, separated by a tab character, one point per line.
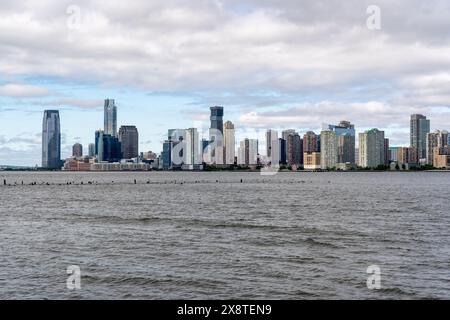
285	135
294	147
387	155
110	117
229	143
271	135
91	150
393	154
192	150
216	135
406	156
166	155
51	140
109	148
252	151
129	141
248	152
437	139
77	150
311	160
441	157
419	128
78	164
310	142
281	151
98	133
371	148
328	149
120	166
345	132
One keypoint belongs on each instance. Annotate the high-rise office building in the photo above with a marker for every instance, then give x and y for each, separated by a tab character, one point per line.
272	147
217	118
328	149
109	148
281	150
252	151
284	135
110	118
419	129
77	150
192	149
98	134
371	148
393	154
166	155
216	135
311	142
229	142
345	132
129	141
91	150
248	152
437	139
406	155
294	147
51	140
387	155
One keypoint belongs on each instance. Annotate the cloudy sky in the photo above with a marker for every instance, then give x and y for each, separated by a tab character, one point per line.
271	63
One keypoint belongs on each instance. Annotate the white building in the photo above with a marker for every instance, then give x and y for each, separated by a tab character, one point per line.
229	142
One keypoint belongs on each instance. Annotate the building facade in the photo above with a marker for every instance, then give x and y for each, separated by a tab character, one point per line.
77	150
310	142
371	148
229	143
311	160
129	141
437	139
51	140
91	150
110	117
294	149
193	157
328	149
109	148
419	128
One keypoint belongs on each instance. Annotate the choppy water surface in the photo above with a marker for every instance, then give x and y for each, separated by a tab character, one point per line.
291	236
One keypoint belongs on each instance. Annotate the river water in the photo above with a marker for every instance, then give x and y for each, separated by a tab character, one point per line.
176	235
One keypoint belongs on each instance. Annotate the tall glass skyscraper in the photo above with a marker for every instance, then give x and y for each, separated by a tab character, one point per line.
346	136
419	129
217	118
110	119
51	140
129	140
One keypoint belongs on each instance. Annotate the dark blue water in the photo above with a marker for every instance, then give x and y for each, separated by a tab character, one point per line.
290	236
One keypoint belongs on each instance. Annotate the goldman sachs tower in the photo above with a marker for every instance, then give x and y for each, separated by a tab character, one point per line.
110	119
51	140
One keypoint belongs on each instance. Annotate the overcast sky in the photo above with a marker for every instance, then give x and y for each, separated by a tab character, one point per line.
272	64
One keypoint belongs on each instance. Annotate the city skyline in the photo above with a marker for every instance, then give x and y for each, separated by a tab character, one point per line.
334	148
271	64
345	144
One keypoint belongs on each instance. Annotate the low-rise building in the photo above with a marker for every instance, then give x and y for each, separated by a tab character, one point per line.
311	160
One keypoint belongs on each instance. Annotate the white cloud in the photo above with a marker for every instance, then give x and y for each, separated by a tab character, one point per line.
22	91
235	52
